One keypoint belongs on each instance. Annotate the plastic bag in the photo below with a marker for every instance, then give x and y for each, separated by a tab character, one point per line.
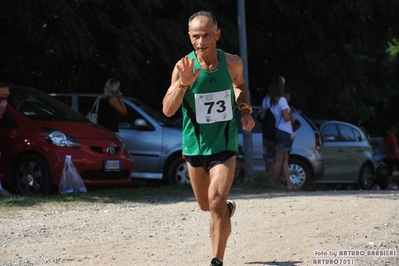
93	117
93	114
71	182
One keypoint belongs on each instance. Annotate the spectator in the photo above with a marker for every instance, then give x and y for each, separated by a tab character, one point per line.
287	94
4	92
269	151
111	105
283	114
392	157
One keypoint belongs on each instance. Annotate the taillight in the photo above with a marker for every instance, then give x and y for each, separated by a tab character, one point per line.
317	143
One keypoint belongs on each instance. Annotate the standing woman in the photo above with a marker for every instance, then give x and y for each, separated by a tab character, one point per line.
284	116
269	152
111	105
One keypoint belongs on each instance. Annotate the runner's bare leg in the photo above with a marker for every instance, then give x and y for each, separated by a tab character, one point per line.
211	190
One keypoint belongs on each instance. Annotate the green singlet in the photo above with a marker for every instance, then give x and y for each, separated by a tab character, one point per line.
209	122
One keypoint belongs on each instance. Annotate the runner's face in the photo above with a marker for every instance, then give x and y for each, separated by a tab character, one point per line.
203	35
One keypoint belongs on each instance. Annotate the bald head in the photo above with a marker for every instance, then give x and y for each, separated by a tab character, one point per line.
210	16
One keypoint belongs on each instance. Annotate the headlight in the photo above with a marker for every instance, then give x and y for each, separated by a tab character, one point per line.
60	139
121	140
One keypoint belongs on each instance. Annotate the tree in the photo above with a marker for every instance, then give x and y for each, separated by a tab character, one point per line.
333	54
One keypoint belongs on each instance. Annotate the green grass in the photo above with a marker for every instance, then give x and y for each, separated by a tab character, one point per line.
130	194
105	195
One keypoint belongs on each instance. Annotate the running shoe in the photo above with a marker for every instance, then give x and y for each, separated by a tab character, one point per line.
216	262
232	207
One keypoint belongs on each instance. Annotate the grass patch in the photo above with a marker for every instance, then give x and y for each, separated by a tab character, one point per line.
144	193
103	195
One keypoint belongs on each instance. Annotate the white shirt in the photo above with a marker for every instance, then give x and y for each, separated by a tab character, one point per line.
277	110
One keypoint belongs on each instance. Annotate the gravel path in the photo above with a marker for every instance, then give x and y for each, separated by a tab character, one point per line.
275	228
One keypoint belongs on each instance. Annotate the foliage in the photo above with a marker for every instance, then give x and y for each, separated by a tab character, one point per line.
338	57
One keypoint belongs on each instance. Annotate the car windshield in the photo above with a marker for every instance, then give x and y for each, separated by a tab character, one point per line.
160	118
313	126
37	105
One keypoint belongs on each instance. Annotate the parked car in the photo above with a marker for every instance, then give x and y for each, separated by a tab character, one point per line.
348	154
37	132
154	142
306	162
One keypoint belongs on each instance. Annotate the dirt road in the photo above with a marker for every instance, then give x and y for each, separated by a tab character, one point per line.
273	228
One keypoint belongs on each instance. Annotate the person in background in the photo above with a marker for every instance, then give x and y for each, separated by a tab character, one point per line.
269	151
111	105
392	153
4	91
287	94
358	121
284	116
208	84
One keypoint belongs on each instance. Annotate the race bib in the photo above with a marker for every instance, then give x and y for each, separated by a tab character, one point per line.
213	107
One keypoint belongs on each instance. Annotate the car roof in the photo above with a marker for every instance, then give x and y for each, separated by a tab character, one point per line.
320	122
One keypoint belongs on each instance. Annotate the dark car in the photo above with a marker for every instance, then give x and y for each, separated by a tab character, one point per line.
37	132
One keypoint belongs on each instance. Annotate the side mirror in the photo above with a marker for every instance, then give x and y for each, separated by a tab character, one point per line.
140	123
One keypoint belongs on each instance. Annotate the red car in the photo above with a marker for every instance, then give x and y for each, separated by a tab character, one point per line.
36	133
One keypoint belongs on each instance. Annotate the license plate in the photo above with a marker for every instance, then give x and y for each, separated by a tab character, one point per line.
112	165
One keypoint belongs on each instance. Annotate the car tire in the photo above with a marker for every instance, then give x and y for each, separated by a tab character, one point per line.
178	172
31	175
299	173
366	174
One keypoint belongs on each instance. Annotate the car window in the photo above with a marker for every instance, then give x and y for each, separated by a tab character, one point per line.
358	136
40	106
128	121
346	133
85	103
160	118
330	133
65	99
309	122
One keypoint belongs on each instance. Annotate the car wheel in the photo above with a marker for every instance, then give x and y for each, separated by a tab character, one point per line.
366	177
31	175
178	172
299	173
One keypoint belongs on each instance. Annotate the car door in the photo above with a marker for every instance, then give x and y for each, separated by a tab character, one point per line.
351	141
334	153
143	140
7	136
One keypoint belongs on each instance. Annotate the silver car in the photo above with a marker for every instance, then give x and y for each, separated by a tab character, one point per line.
348	154
306	161
154	142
